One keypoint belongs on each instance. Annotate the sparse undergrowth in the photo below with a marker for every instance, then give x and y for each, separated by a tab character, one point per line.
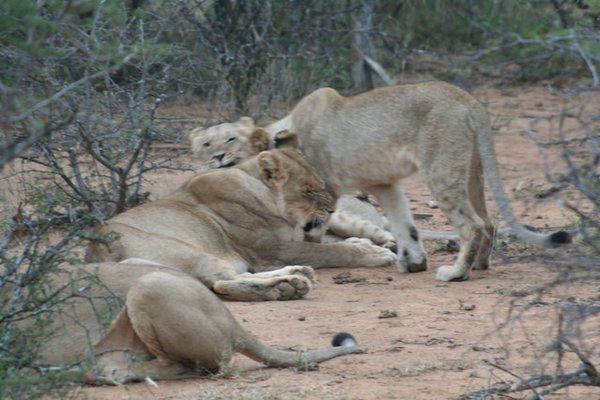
82	84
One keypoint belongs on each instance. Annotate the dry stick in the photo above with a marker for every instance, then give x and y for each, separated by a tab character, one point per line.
554	386
589	367
555	382
586	59
569	379
524	384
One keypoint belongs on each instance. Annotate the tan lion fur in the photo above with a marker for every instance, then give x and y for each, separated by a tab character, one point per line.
372	141
223	224
165	325
228	144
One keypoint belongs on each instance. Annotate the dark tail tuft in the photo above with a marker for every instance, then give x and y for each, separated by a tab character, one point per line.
560	237
343	339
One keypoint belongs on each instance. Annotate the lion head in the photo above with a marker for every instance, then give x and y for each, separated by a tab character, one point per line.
307	201
227	144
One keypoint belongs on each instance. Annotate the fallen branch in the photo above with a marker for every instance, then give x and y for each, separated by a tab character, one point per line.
586	374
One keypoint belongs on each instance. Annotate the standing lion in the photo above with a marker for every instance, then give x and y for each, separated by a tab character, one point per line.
371	141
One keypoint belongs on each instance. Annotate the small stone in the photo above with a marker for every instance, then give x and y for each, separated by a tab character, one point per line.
466	307
432	204
387	314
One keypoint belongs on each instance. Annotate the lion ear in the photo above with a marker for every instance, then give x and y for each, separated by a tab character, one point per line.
245	121
258	141
194	133
286	138
270	169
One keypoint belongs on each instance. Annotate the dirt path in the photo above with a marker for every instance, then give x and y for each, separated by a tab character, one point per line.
425	339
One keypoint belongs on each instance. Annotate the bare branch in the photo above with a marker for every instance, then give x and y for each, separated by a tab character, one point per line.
67	89
587	59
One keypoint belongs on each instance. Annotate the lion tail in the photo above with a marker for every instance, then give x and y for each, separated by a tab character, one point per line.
343	344
479	123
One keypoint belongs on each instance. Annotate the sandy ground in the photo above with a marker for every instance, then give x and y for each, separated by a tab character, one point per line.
426	339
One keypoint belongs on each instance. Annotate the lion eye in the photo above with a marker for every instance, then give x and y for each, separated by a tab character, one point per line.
206	144
231	139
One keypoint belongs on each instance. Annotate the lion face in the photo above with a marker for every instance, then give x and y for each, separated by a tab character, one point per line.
227	144
316	205
305	199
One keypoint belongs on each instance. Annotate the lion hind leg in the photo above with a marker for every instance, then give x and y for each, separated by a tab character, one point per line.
132	371
115	352
477	197
164	370
182	323
125	356
485	246
470	229
248	287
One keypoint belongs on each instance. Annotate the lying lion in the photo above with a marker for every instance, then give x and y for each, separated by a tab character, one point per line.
223	224
371	141
165	325
228	144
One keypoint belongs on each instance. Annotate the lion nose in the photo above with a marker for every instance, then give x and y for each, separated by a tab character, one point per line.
413	267
312	225
219	157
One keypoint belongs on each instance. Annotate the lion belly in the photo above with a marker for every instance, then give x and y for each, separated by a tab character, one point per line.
381	136
381	168
383	156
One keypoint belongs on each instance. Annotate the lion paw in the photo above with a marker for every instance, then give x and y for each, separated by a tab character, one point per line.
447	273
391	245
260	287
300	270
371	255
383	237
357	240
292	287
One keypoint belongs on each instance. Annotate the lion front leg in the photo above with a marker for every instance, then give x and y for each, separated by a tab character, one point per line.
352	252
301	270
228	279
411	253
284	284
346	225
